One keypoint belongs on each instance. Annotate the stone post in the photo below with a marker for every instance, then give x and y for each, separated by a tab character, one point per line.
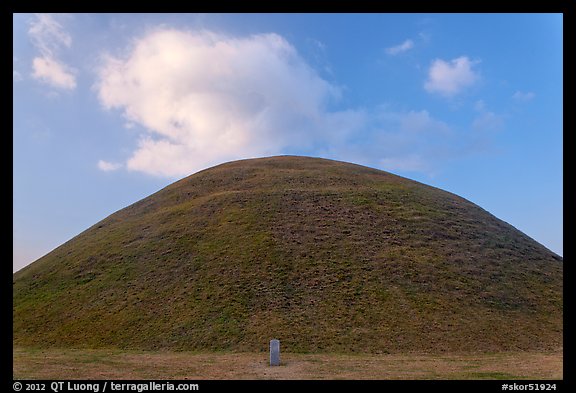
274	352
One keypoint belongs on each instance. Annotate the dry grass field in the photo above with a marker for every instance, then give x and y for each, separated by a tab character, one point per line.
117	364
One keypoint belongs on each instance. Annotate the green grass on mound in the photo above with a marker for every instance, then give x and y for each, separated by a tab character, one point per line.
324	255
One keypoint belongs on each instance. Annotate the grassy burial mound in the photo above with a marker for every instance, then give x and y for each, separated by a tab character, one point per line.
327	256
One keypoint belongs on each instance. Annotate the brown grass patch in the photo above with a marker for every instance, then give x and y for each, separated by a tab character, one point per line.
117	364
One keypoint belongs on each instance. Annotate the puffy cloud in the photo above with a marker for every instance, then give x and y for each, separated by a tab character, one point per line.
16	75
489	121
450	78
48	36
523	96
413	141
400	140
486	120
403	47
54	73
410	163
201	98
205	98
107	166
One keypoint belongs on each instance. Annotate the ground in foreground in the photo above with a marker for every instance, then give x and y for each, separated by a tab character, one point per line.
117	364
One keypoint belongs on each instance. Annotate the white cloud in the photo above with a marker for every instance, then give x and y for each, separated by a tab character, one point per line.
199	98
16	75
205	98
409	163
48	36
107	166
450	78
425	37
413	141
486	120
479	106
399	140
50	71
523	96
403	47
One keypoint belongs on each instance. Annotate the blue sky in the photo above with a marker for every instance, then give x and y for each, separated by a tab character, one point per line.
109	108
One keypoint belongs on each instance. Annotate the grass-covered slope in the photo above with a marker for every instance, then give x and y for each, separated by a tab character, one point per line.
324	255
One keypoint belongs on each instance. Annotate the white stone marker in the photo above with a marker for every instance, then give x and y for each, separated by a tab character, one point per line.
274	352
